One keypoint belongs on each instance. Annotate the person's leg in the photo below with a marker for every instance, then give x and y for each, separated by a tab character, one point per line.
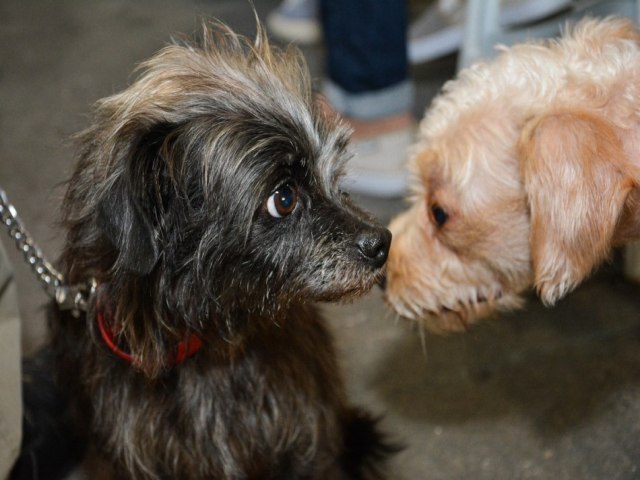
368	84
10	396
366	54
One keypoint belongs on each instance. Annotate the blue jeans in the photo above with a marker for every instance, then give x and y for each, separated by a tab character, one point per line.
366	55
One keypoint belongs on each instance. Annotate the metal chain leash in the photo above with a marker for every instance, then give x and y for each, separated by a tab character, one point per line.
67	297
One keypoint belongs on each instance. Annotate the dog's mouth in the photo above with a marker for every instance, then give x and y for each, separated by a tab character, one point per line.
462	314
347	288
458	314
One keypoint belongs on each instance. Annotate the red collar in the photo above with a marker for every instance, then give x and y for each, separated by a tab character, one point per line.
185	348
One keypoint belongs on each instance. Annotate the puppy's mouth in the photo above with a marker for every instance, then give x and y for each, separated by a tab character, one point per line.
468	310
458	314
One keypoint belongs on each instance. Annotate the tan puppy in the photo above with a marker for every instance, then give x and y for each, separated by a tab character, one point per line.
527	172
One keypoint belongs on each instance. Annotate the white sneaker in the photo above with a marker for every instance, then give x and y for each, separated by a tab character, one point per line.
378	165
438	31
296	21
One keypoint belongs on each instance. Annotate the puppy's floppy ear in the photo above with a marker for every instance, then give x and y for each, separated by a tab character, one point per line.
573	172
128	228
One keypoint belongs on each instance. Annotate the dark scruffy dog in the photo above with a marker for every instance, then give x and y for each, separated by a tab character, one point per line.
205	205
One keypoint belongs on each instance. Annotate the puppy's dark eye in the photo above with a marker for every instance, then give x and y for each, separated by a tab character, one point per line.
439	215
283	201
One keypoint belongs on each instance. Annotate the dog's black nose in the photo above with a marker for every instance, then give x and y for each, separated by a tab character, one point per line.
374	245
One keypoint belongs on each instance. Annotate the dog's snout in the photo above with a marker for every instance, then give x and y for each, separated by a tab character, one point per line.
374	245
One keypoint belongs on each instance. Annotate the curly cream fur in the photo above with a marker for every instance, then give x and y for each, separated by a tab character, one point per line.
534	156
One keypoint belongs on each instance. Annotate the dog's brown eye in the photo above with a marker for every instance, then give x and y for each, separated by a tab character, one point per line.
282	202
439	215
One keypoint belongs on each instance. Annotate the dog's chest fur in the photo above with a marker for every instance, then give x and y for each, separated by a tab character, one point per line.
218	415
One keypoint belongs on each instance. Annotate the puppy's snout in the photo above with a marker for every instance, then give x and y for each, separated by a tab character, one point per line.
374	245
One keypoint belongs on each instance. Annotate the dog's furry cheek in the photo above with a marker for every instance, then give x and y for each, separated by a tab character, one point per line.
430	283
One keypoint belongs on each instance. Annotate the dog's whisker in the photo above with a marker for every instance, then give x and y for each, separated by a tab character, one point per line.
423	339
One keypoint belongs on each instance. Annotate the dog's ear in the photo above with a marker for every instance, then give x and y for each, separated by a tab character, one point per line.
128	227
573	173
131	208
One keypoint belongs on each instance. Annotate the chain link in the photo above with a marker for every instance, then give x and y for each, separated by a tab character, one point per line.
72	298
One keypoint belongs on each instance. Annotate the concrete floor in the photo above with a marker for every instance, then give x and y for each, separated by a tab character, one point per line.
540	394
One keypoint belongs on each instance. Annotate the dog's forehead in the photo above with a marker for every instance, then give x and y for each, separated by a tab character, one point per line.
462	176
442	163
478	149
270	151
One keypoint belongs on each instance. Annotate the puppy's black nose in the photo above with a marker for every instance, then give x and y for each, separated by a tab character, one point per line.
374	245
